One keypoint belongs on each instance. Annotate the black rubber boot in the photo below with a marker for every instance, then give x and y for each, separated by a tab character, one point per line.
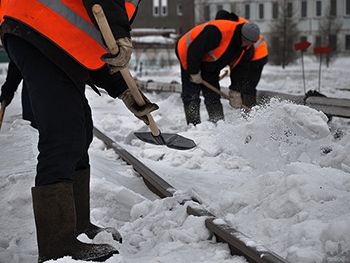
54	214
192	113
81	190
215	112
249	100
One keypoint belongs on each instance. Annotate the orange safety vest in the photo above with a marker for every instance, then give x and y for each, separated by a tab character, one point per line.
261	50
2	6
73	30
227	29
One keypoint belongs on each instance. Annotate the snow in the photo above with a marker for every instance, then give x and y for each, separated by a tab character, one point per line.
278	174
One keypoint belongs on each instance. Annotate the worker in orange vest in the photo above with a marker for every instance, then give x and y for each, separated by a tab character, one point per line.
58	48
259	60
203	52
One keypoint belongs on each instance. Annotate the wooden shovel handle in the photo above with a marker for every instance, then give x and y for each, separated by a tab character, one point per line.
2	112
224	74
114	49
208	85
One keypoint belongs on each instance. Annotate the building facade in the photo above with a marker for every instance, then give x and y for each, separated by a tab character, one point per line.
175	15
309	14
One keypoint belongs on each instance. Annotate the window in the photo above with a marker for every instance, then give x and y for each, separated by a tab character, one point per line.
347	42
261	11
179	10
303	38
207	13
333	40
289	9
233	7
347	7
318	8
164	7
275	10
155	7
303	8
318	41
219	7
247	11
333	11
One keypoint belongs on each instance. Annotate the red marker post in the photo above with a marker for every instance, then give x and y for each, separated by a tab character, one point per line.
302	46
321	50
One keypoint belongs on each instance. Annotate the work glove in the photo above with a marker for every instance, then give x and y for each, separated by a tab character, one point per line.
196	78
6	96
121	60
139	111
235	99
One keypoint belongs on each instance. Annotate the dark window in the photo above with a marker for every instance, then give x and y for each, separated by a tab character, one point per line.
333	8
261	11
318	8
206	13
347	42
247	11
303	38
318	41
275	10
164	10
303	8
164	7
156	10
347	7
333	40
179	10
289	9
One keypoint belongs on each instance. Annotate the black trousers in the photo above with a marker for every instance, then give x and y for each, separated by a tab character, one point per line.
191	91
253	78
62	113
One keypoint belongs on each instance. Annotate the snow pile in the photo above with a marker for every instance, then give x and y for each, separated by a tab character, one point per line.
279	175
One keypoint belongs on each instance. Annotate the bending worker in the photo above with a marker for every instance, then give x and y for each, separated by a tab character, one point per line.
203	52
259	60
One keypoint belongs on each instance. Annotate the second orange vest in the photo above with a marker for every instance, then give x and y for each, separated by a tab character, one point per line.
227	29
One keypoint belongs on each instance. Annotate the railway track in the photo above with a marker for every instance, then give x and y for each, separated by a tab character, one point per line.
239	243
330	106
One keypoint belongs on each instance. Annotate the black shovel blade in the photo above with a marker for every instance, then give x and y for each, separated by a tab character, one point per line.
173	141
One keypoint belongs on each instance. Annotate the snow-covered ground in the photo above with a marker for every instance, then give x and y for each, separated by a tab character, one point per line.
278	175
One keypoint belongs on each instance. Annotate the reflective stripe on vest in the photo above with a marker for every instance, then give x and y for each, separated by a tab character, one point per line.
80	20
259	42
73	30
260	49
227	29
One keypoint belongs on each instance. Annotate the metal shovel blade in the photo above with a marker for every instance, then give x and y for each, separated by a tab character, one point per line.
173	141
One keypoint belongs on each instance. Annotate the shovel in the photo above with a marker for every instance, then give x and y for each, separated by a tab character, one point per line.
2	112
174	141
223	94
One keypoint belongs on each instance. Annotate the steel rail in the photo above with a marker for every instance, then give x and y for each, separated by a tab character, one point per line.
238	243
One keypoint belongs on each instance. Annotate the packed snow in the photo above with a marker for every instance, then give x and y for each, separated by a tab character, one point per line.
280	175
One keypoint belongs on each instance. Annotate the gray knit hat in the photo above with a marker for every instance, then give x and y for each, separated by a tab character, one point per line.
250	32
